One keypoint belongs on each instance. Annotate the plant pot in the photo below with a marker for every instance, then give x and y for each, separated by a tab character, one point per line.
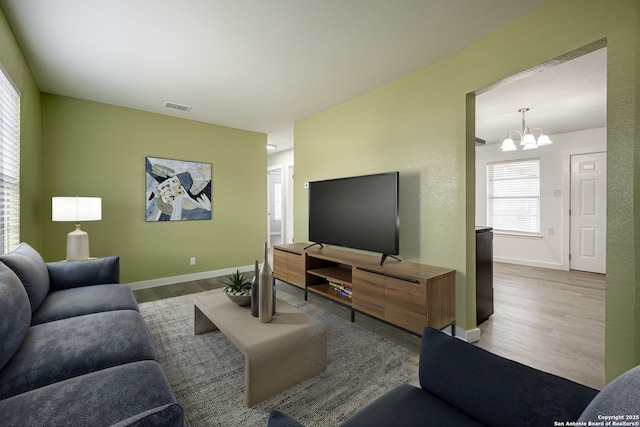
242	300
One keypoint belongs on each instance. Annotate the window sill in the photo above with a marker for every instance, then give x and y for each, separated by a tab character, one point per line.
517	234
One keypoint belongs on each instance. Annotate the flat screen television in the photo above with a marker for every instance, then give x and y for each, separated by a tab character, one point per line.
360	212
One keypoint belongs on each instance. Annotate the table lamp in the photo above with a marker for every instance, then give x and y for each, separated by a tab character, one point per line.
77	209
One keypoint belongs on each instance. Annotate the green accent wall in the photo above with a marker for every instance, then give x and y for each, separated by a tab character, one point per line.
423	126
93	149
15	64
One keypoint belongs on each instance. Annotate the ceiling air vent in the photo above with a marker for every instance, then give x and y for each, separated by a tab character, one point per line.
179	107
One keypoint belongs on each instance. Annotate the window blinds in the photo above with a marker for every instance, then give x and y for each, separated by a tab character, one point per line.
513	196
9	164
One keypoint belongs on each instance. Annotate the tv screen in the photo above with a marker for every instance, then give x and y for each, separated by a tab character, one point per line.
359	212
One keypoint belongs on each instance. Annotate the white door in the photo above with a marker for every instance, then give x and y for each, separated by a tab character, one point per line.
287	231
588	212
275	207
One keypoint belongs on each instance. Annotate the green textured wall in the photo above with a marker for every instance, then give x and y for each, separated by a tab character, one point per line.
422	125
94	149
16	66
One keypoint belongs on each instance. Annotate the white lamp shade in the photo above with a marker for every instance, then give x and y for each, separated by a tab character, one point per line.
76	209
544	140
508	145
528	139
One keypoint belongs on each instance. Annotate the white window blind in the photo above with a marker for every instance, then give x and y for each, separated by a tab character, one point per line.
513	196
9	164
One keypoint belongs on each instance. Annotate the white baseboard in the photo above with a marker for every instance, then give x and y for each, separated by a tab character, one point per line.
506	260
471	335
187	277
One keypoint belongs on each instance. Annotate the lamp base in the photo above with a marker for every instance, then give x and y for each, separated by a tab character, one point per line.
77	245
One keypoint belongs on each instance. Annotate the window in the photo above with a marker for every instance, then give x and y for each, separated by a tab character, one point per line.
9	164
513	196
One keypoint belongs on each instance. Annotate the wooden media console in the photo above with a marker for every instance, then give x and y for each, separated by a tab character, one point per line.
405	294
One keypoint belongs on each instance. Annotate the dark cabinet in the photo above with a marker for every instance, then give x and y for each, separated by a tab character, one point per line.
484	273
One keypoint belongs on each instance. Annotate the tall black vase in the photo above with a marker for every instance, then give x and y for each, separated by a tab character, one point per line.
265	283
274	295
255	289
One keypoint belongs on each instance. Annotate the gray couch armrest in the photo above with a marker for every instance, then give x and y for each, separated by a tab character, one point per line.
73	274
494	390
621	398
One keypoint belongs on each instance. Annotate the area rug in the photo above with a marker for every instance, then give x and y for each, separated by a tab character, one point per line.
206	371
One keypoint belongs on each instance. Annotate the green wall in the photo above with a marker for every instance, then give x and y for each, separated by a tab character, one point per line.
16	66
423	126
94	149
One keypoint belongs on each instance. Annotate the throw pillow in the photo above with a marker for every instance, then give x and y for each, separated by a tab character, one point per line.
30	268
15	314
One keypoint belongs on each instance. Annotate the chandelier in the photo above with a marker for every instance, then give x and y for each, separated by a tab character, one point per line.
527	139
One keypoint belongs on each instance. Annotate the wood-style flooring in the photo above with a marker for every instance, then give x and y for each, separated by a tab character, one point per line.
549	319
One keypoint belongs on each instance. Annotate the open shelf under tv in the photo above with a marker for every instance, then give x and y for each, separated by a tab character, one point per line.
321	271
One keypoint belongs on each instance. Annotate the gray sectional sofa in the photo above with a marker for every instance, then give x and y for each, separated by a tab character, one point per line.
74	350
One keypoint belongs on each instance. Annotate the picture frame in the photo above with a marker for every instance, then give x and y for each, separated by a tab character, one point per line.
177	190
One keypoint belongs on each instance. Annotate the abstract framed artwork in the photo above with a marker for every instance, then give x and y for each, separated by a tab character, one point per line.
177	190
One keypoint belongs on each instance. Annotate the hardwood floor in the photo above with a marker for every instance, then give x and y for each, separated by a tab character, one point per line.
176	290
549	319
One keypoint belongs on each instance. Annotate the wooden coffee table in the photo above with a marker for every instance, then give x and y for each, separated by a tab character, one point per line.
277	355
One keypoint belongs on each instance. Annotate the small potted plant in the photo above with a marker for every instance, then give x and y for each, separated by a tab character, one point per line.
238	288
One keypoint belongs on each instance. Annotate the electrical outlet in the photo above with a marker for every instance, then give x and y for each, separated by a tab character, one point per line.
192	260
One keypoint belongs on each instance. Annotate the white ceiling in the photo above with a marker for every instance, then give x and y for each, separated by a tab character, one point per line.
565	97
257	65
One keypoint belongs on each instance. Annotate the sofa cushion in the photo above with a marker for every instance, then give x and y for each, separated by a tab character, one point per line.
29	266
64	349
409	406
72	274
620	397
134	394
84	300
15	314
495	390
